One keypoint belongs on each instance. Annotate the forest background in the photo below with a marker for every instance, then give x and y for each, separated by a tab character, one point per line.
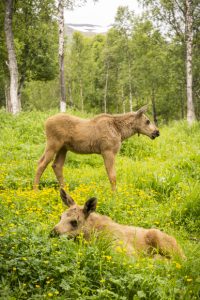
150	59
139	60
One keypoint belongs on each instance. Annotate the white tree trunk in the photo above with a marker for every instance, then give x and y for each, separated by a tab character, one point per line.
189	43
61	55
7	96
15	105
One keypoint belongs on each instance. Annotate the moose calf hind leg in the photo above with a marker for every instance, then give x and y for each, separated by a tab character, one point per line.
163	243
109	161
42	164
58	165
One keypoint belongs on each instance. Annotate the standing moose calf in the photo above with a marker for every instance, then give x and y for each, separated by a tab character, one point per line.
83	219
101	135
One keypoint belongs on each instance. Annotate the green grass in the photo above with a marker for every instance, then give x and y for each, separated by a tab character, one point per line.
158	186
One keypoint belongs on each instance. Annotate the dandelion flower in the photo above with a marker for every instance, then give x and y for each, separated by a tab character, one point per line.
178	266
50	294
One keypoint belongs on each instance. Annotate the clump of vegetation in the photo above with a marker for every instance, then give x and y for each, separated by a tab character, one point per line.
157	187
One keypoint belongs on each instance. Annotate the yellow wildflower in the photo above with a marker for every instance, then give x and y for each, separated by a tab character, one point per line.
178	266
24	258
50	294
118	249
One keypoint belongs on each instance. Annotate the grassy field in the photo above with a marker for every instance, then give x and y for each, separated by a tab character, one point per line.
158	186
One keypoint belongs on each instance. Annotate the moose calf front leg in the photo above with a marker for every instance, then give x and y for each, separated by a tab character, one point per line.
109	161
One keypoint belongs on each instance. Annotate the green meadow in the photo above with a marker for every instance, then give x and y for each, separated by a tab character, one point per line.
158	187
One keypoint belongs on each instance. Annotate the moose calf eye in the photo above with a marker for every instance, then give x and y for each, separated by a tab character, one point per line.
74	223
147	122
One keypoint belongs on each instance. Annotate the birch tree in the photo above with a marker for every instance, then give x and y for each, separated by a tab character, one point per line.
78	60
61	55
180	16
106	88
35	31
189	43
31	25
124	23
14	105
69	4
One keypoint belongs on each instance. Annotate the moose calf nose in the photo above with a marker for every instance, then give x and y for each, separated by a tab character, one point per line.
157	132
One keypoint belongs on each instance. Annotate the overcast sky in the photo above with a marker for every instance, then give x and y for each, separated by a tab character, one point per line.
101	13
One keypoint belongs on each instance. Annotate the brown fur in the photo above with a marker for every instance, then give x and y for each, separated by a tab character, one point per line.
102	135
135	240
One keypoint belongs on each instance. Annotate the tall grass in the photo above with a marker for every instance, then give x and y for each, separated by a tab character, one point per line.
158	186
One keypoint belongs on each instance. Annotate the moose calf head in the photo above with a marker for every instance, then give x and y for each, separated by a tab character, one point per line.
144	125
74	219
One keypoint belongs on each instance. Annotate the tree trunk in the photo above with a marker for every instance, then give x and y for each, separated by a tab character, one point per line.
21	84
61	56
154	108
7	96
123	101
71	104
14	106
189	43
81	95
105	91
130	86
182	103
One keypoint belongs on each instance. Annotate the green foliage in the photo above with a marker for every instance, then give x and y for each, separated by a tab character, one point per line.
170	17
36	46
136	61
40	95
188	214
157	187
35	34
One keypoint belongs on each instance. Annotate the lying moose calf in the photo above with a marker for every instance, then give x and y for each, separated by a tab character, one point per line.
78	219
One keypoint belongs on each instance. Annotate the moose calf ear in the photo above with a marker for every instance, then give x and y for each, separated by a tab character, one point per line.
142	110
90	206
67	199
